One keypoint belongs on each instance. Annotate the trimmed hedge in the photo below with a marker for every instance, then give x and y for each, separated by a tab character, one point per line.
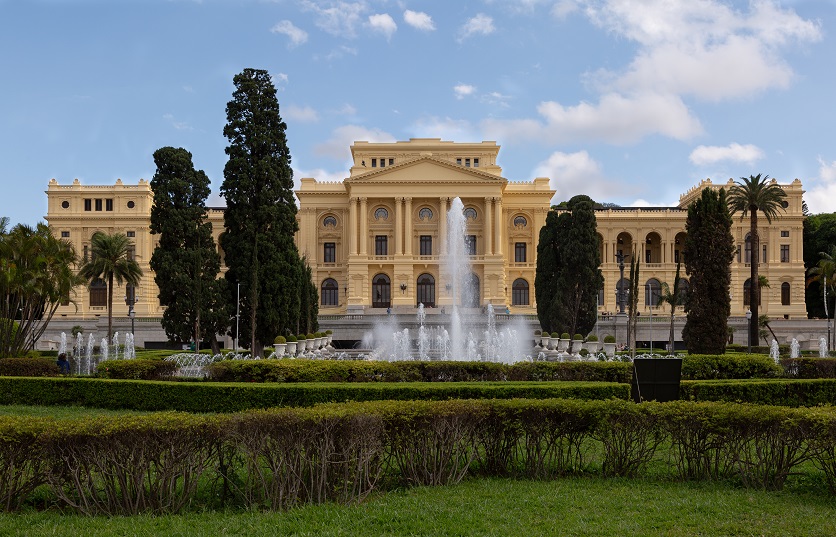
136	369
412	371
28	367
234	397
783	392
810	368
277	459
729	366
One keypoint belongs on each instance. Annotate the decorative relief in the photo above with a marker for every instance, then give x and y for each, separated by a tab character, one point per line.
425	214
470	213
381	214
329	221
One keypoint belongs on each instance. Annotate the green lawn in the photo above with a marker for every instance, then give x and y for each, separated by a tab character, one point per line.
581	506
62	412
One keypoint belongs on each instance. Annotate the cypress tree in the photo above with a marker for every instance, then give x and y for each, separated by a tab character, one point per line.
709	250
185	262
260	219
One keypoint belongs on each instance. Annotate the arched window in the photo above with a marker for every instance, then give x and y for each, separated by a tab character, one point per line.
519	293
98	293
470	213
747	258
652	292
785	294
329	221
381	213
425	213
471	296
381	291
426	290
520	221
747	285
330	293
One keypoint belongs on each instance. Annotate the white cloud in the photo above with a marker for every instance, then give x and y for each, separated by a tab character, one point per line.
615	119
444	128
496	99
703	47
463	90
303	114
419	20
337	18
481	24
179	125
279	79
342	138
571	174
821	191
564	8
297	35
346	110
706	155
383	23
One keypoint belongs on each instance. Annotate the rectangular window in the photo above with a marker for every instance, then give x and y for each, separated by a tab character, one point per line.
785	253
459	161
467	163
470	244
391	162
381	246
98	204
131	252
476	163
65	234
374	163
764	253
109	204
785	233
329	253
382	162
519	252
426	245
738	253
85	252
676	256
131	234
88	204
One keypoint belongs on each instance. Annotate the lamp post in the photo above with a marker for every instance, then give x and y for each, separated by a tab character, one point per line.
620	257
130	300
650	307
826	315
237	315
749	329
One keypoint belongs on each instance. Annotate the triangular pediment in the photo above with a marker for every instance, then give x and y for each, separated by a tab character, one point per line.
425	170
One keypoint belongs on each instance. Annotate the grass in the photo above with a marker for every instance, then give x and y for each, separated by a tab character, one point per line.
577	506
62	412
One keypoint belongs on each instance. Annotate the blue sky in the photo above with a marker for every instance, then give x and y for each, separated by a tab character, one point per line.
628	102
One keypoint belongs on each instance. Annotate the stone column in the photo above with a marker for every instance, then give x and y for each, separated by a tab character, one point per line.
398	226
407	234
500	226
488	226
364	227
352	226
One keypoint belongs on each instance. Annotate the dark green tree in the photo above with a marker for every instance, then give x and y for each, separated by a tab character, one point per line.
260	218
633	304
571	271
672	296
819	236
752	195
37	274
308	300
111	261
709	250
186	262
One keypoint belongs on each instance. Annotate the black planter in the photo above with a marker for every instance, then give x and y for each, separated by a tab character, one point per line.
656	379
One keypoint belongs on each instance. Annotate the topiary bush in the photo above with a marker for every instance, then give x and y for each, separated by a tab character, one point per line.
137	369
29	367
279	340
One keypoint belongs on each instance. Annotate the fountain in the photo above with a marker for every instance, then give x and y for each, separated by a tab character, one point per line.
773	351
62	346
822	348
794	348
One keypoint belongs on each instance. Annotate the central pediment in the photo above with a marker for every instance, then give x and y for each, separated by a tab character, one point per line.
425	170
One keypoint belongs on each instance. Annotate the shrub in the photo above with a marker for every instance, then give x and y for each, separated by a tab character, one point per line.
310	336
329	332
537	332
28	367
301	337
729	366
592	337
577	337
564	335
809	368
137	369
609	339
279	340
291	338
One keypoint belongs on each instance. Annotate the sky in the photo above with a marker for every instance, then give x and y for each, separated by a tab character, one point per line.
629	102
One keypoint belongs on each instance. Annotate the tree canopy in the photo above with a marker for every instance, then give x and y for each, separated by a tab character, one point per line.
819	236
185	262
708	252
260	218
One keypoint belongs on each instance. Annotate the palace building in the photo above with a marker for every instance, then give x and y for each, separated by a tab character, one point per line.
377	240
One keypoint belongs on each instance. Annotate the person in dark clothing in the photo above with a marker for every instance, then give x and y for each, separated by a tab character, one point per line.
63	364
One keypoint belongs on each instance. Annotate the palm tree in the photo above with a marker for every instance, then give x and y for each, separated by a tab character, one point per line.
825	271
674	297
110	260
748	196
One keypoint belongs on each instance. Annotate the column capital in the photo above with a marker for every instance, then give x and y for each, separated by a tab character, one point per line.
407	198
398	198
363	199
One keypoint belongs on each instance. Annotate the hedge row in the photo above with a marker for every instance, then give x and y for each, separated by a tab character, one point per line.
412	371
810	368
234	397
729	366
29	367
783	392
282	458
137	369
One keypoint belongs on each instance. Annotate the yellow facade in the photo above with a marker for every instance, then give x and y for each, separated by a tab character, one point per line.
382	228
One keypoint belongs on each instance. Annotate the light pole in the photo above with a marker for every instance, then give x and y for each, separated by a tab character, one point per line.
650	307
826	314
130	300
749	329
620	257
237	314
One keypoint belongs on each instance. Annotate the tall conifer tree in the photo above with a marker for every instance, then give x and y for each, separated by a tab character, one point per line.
185	262
260	219
709	250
